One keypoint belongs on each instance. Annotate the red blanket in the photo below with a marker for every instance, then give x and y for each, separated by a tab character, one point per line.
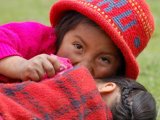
70	96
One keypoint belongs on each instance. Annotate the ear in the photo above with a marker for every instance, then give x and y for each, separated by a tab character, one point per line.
107	87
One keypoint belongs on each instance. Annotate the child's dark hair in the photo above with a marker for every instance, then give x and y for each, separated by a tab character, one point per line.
136	102
69	21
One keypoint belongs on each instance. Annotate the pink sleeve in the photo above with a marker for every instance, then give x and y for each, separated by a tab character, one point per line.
65	64
1	117
26	39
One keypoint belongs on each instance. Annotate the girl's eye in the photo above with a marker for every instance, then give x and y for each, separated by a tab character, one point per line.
105	59
78	46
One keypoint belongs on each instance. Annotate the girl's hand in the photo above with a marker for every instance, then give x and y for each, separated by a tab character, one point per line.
38	67
16	67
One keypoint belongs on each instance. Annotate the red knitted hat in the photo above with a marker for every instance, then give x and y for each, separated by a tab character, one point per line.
129	24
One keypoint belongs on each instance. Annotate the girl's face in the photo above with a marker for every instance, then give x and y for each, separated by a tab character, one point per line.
88	46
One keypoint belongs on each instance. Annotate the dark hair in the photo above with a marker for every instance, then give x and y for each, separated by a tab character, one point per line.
69	21
136	102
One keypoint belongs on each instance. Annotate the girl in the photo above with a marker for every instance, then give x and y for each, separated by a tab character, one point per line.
104	36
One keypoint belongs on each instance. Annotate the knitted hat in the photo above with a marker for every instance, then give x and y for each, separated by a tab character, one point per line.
129	24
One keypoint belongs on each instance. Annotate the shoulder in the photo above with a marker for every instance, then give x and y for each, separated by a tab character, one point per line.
29	27
28	24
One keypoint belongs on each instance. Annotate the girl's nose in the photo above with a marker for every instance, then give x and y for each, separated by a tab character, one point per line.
87	64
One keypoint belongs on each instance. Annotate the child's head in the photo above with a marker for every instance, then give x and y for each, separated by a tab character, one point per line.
127	24
78	32
127	99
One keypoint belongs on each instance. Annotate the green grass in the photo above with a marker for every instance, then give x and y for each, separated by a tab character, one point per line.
23	10
38	10
149	59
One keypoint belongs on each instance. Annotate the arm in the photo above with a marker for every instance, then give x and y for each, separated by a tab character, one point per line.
35	68
26	39
22	41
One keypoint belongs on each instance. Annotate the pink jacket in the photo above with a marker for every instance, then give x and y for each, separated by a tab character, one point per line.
26	39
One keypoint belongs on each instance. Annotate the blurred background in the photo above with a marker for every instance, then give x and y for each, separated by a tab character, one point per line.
149	59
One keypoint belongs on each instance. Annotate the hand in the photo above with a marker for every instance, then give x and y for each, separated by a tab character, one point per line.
39	66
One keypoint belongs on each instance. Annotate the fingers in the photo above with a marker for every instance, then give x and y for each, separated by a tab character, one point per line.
34	77
54	61
51	66
32	70
39	66
48	68
46	65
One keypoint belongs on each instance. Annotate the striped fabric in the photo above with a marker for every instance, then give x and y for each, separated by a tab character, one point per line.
69	96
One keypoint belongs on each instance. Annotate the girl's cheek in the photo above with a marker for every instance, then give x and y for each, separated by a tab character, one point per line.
103	71
62	53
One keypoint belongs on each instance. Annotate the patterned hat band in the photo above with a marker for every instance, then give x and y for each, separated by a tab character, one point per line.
104	7
125	17
129	23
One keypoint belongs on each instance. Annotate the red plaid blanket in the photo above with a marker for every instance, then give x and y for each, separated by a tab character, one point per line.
70	96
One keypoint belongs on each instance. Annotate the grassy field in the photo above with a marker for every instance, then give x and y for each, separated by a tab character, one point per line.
149	59
38	10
